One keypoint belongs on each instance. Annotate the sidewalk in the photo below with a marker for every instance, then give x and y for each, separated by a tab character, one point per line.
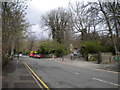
16	75
83	63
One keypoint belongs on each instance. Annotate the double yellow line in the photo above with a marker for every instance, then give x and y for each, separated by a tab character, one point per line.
36	76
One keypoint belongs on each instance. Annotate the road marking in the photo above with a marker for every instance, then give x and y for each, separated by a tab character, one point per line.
72	72
76	73
105	81
36	76
35	79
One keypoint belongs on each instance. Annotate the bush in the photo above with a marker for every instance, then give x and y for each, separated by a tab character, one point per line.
51	47
93	47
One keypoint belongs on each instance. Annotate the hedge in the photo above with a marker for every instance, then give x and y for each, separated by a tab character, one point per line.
51	47
93	47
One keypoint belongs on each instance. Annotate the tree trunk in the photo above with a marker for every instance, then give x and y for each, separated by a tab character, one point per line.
107	21
12	46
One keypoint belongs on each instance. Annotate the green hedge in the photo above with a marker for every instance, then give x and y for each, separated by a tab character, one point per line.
51	47
93	47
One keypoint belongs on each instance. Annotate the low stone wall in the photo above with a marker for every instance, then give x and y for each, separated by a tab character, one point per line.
105	57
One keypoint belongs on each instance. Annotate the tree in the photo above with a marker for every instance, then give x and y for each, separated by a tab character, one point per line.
13	25
110	18
83	19
58	21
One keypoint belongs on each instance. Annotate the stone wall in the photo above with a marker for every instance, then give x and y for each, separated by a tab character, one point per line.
106	57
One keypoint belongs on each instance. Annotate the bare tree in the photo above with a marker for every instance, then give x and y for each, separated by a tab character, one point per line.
58	21
82	19
109	12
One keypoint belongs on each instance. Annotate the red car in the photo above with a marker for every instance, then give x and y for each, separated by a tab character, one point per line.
37	56
31	55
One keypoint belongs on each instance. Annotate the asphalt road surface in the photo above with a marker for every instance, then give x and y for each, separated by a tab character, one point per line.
58	75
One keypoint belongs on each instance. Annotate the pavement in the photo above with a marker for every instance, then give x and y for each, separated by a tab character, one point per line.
16	75
81	62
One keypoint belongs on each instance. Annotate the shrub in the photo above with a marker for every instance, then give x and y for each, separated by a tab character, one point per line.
51	47
93	47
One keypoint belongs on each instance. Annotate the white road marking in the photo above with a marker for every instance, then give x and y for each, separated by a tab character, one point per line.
106	82
76	73
73	72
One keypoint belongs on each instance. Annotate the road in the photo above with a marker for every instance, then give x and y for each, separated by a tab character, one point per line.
59	75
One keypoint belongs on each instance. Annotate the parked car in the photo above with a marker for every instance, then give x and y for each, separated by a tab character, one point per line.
31	55
37	56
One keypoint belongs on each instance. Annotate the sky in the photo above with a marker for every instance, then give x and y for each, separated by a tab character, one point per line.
37	8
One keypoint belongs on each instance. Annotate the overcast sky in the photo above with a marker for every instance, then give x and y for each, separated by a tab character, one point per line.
36	8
